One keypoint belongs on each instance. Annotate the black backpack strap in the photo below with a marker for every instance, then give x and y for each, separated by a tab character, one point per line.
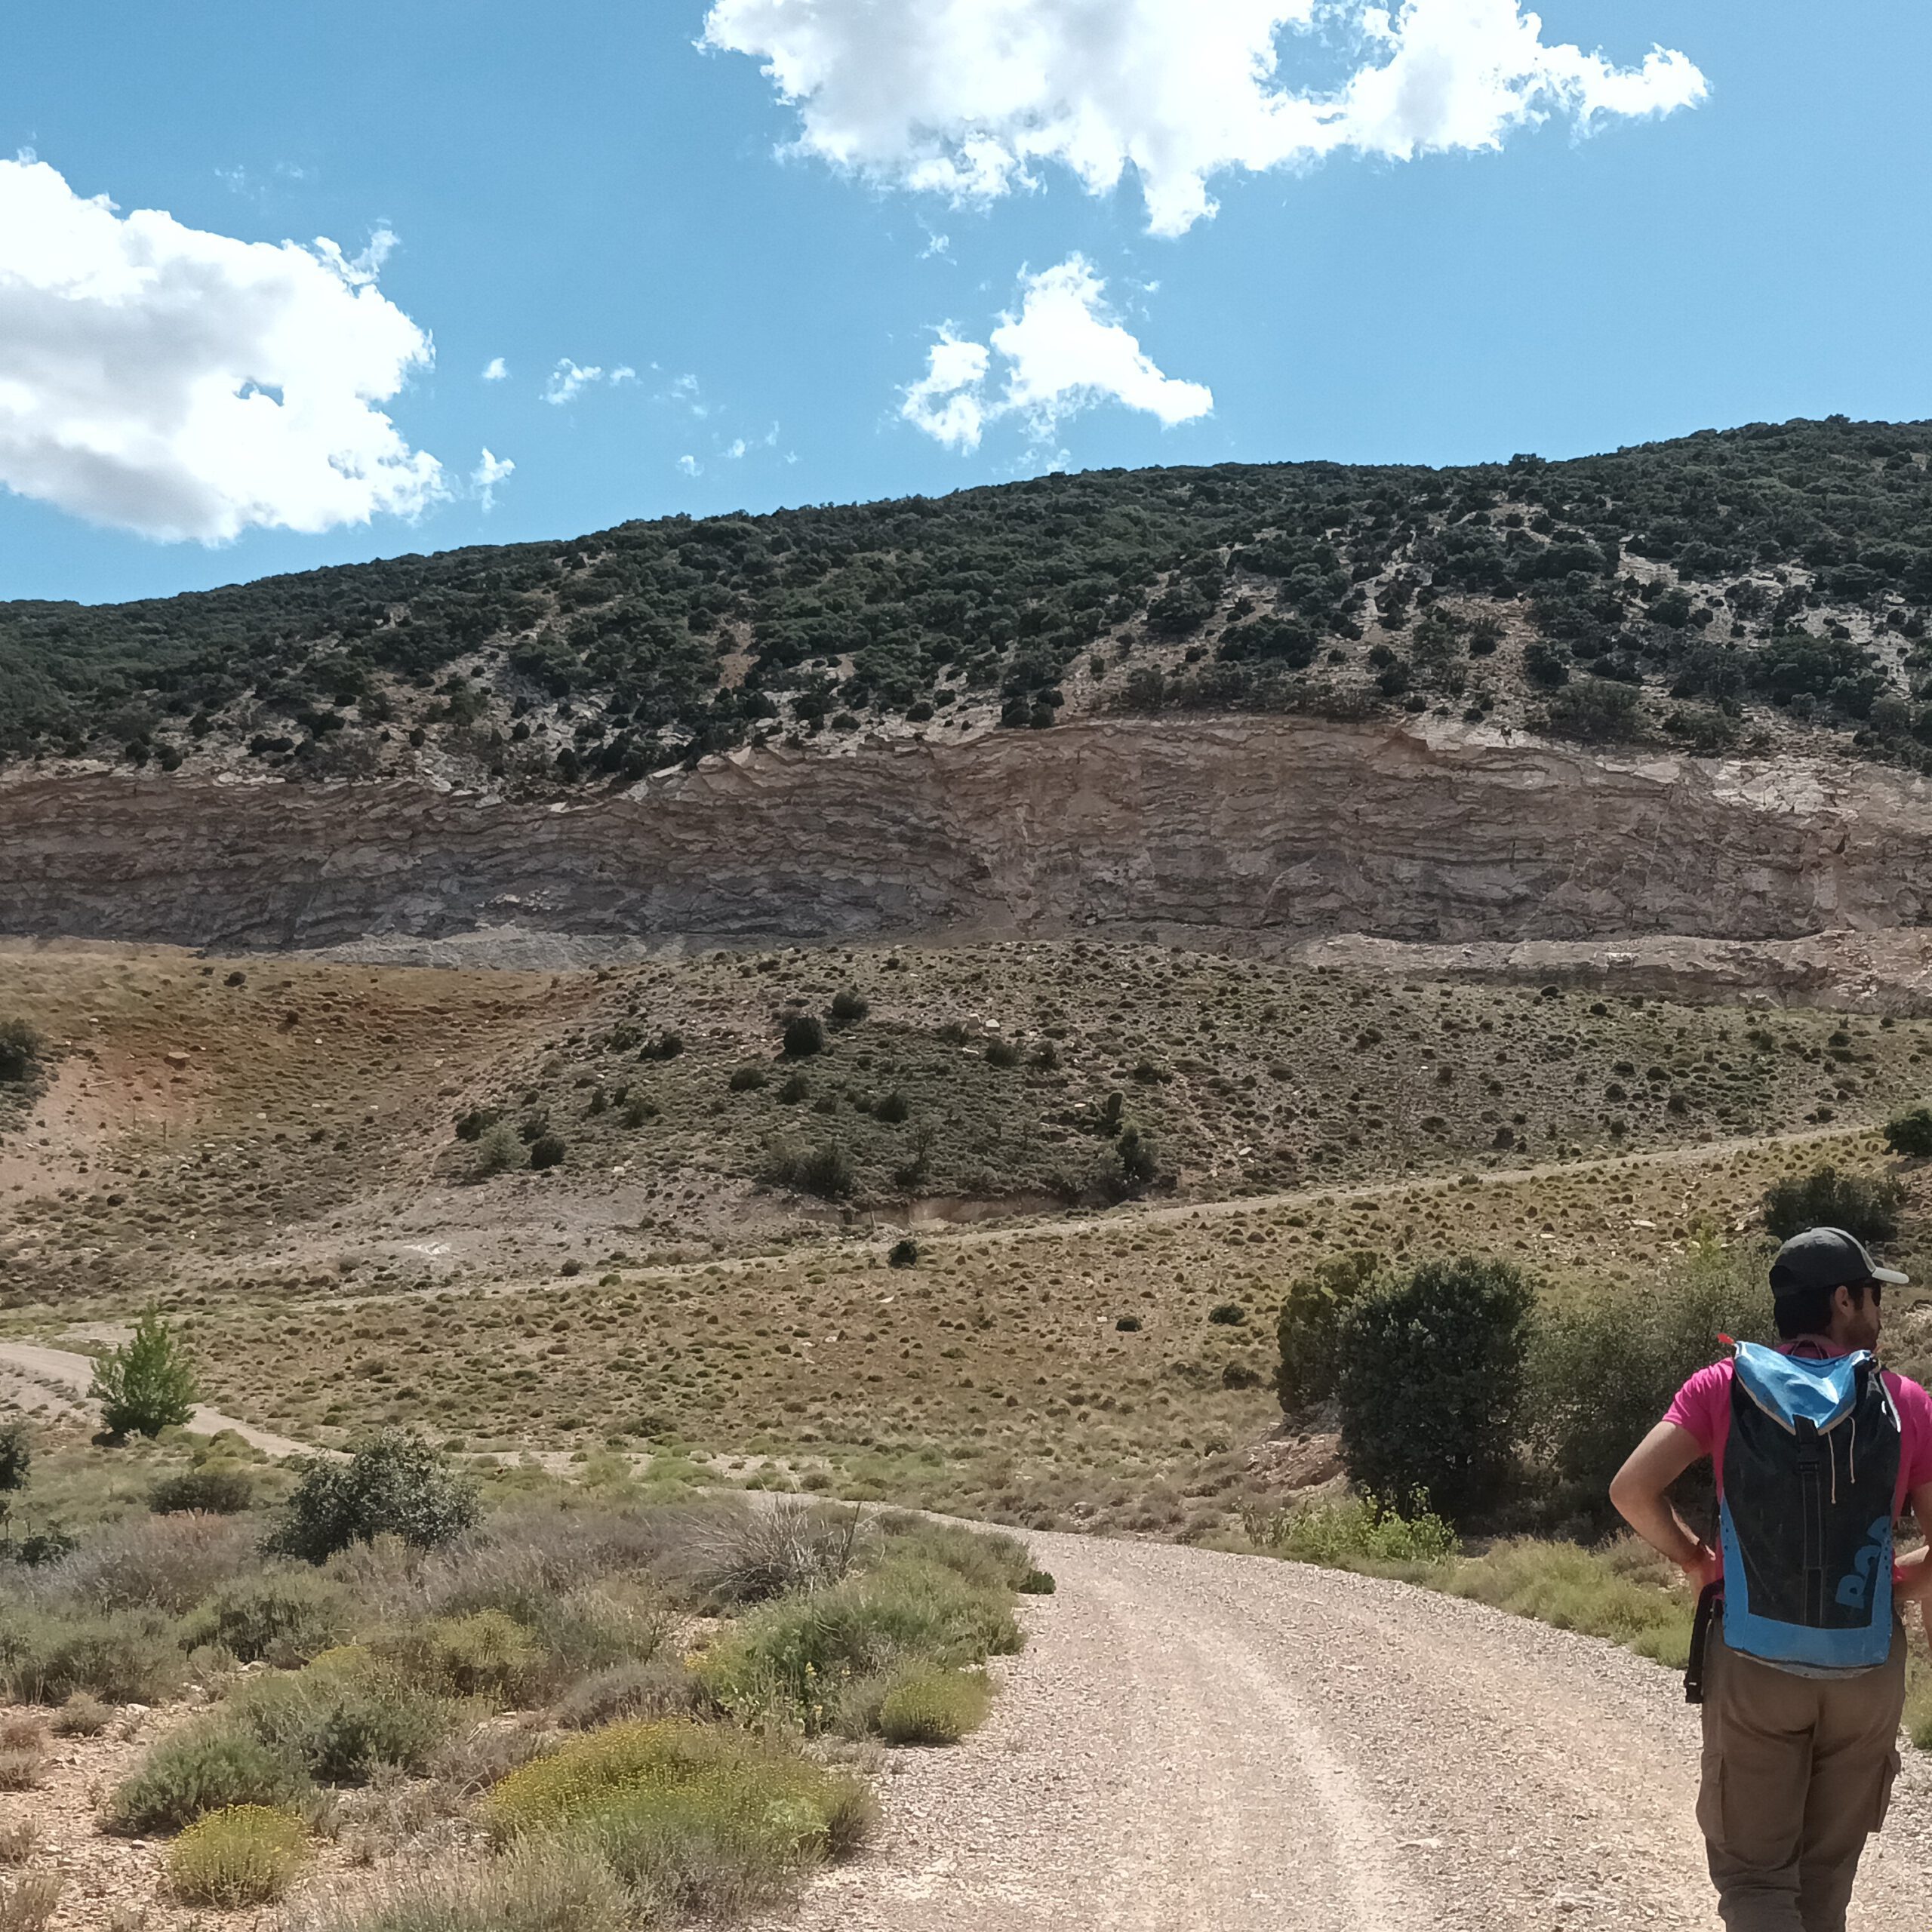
1708	1604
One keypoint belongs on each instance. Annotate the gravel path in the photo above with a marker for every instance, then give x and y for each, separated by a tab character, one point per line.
1198	1742
51	1380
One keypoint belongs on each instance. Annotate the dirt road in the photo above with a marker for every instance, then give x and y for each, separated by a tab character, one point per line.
1196	1742
53	1382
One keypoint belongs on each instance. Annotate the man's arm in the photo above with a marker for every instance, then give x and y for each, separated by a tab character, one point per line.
1912	1576
1638	1492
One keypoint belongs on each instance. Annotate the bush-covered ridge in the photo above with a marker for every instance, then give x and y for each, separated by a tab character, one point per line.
1710	587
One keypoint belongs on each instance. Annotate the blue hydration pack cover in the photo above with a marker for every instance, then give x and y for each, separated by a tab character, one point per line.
1811	1472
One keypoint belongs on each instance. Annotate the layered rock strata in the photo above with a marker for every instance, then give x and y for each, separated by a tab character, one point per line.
1266	830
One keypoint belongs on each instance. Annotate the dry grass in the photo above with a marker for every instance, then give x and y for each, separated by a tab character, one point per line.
28	1902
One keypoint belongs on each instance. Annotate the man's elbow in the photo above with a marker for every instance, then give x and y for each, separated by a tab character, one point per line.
1627	1495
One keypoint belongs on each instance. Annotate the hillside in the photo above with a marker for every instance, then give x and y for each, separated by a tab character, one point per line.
1762	589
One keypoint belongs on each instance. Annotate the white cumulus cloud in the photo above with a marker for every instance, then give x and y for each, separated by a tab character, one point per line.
963	97
487	474
496	370
187	385
1064	352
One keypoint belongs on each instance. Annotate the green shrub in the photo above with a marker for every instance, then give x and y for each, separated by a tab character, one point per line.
125	1657
1310	1329
22	1049
540	1888
924	1705
805	1035
1910	1134
487	1653
905	1253
249	1854
849	1006
211	1766
1036	1583
1004	1054
792	1660
501	1149
342	1722
1865	1205
700	1821
1227	1314
1602	1375
146	1385
281	1616
1593	711
214	1490
547	1151
395	1485
16	1458
1357	1531
1431	1383
748	1079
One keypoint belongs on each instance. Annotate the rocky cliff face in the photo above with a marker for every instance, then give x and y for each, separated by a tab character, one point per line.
1277	829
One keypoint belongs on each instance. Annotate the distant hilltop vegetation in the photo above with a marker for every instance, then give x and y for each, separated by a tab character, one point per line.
1752	590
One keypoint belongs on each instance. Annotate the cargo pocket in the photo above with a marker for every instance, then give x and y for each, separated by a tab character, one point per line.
1887	1777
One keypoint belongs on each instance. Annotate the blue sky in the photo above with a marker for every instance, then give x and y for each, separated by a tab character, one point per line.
581	181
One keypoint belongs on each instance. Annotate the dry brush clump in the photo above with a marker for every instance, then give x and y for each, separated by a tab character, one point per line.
515	1677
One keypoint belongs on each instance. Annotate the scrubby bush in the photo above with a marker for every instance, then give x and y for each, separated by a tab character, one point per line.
547	1150
250	1854
1431	1383
793	1659
660	1687
1865	1205
340	1723
28	1902
700	1820
805	1035
1602	1373
82	1716
126	1657
1310	1329
146	1385
793	1547
214	1490
165	1563
904	1252
748	1079
16	1460
1360	1530
487	1653
1593	711
23	1753
1910	1134
849	1006
22	1049
924	1705
282	1616
395	1485
824	1169
499	1150
211	1766
1227	1314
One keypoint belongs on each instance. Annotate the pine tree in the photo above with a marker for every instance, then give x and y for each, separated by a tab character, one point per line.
147	1385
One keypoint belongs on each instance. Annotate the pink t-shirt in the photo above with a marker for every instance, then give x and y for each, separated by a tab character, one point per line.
1703	1407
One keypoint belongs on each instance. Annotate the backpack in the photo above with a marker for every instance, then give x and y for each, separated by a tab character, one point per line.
1811	1473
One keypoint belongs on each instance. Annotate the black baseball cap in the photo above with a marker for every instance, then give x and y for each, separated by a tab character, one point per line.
1825	1258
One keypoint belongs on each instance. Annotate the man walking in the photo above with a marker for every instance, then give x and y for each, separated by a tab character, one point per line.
1816	1453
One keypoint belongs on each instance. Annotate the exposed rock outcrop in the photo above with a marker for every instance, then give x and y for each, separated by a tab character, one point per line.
1271	830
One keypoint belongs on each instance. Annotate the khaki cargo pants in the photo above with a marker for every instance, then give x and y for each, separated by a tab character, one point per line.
1798	1774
